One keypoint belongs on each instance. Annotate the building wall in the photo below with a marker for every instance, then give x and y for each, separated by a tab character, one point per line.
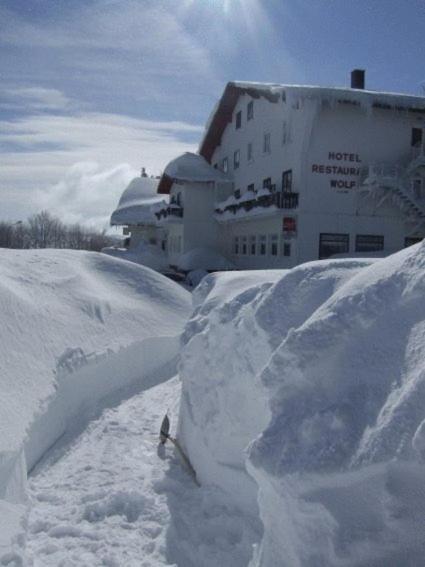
319	135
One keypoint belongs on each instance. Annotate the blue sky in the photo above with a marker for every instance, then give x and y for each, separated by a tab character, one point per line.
93	90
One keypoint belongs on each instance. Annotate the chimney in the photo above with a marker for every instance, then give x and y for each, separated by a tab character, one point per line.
357	78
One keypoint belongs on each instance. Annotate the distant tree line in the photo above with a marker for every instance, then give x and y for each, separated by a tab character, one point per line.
45	230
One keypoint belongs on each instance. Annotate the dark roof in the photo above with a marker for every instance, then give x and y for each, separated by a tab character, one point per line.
164	185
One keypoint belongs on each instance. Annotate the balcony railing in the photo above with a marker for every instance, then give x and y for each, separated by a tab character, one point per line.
170	211
264	200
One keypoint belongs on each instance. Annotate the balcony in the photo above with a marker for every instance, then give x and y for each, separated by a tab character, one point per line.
266	200
172	210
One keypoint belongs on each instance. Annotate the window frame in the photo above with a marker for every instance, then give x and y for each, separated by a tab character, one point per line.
238	120
273	244
378	238
252	245
287	181
267	143
250	152
343	238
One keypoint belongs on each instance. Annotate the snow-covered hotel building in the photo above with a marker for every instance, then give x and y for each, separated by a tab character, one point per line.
288	174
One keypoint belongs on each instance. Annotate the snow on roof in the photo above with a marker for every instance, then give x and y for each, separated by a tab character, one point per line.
138	202
189	167
274	92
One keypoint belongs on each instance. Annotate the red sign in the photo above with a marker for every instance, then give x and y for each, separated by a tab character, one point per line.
289	224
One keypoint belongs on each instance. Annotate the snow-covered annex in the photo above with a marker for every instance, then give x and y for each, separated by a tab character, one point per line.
287	174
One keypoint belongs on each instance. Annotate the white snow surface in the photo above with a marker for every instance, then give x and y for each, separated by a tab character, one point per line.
77	329
304	400
146	254
203	259
138	203
117	498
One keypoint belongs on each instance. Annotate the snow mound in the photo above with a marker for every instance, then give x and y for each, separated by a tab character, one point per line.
203	259
77	328
239	319
340	466
145	254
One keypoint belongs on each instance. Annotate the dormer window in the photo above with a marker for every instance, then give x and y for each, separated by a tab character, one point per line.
238	119
250	110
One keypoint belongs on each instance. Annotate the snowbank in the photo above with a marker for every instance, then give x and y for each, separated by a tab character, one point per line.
203	259
77	328
239	319
341	464
145	254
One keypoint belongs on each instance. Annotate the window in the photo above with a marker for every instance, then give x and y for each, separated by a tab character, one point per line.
287	181
273	244
417	188
216	166
410	240
249	152
267	143
267	183
250	110
286	250
236	245
284	134
416	137
236	159
225	165
252	245
331	244
237	193
244	245
251	187
238	120
369	242
263	242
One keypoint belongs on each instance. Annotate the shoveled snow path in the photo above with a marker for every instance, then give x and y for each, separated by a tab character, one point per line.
115	498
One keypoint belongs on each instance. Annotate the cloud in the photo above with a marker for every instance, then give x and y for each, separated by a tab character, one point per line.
78	164
35	98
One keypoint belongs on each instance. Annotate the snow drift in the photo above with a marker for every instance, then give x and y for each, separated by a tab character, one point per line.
239	319
340	465
317	376
77	328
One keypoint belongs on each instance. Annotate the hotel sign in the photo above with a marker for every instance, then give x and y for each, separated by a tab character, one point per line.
343	169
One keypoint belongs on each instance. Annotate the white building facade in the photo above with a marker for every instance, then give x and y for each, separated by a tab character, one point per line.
303	173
